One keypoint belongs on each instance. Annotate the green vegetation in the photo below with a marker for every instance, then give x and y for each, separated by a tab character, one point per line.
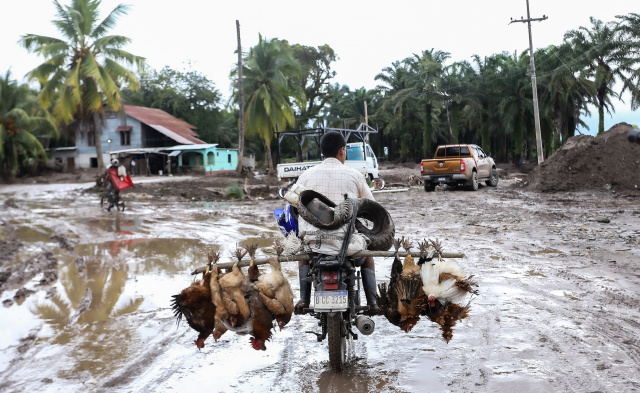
234	191
21	122
83	72
269	91
421	101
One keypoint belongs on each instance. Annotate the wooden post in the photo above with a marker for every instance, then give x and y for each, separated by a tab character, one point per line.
240	103
305	257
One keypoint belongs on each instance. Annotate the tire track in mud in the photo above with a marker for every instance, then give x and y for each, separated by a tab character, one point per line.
497	239
591	323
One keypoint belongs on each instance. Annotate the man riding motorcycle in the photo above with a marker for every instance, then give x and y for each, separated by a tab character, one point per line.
333	179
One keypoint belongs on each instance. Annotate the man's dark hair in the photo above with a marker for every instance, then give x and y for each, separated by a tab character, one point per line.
331	143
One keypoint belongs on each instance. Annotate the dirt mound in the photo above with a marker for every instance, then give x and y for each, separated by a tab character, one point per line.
608	161
400	174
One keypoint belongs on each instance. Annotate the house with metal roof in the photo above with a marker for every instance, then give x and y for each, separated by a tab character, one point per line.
134	128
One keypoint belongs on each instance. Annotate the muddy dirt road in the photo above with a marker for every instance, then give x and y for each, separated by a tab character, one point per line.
86	296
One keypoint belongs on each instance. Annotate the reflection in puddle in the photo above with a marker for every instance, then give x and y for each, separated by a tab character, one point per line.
33	235
84	314
152	255
114	223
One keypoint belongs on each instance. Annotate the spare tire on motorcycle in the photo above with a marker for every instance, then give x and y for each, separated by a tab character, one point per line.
321	212
383	230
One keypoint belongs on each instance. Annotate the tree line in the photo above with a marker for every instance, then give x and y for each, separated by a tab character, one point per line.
419	102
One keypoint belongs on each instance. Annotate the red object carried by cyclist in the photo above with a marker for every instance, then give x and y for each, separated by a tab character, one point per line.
115	180
119	182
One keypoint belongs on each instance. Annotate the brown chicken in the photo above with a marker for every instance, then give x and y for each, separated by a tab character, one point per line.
276	293
387	300
253	273
409	269
232	293
402	301
216	298
447	316
396	266
194	303
261	321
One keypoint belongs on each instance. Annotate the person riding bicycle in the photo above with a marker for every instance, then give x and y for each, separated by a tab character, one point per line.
333	179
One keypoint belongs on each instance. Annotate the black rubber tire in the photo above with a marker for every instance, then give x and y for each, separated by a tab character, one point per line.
327	214
383	230
493	180
473	183
337	342
429	187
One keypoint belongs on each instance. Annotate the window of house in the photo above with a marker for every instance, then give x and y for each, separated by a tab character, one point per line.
229	157
125	138
91	138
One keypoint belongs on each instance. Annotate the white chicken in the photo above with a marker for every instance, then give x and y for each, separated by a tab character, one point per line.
445	282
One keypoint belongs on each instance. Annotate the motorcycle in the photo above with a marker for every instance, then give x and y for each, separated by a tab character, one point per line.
336	282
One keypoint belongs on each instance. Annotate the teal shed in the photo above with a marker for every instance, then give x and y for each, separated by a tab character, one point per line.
205	158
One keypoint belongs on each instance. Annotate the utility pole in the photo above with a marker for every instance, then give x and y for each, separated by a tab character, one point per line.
534	87
241	103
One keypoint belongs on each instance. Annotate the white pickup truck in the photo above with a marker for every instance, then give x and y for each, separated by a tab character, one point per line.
361	159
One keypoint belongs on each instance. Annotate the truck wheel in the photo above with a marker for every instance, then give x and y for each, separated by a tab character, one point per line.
473	183
429	187
493	180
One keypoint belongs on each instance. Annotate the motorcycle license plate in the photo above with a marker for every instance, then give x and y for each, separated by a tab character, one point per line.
331	300
441	179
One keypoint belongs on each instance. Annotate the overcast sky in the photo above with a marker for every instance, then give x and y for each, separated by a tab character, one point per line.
366	35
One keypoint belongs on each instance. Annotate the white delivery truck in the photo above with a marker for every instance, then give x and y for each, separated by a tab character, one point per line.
359	154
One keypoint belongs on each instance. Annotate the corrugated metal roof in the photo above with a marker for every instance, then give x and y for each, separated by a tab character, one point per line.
157	117
124	128
192	147
173	135
140	150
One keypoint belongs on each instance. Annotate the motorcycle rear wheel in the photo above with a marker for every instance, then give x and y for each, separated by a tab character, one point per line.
337	342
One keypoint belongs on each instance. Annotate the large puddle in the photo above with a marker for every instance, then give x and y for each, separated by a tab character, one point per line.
117	278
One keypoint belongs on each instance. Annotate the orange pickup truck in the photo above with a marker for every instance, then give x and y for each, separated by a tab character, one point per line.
459	165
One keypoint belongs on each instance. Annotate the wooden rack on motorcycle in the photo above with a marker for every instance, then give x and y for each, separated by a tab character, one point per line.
306	257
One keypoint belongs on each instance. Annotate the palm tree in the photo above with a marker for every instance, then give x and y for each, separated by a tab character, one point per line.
629	27
515	105
400	111
20	124
427	81
267	69
84	71
604	58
